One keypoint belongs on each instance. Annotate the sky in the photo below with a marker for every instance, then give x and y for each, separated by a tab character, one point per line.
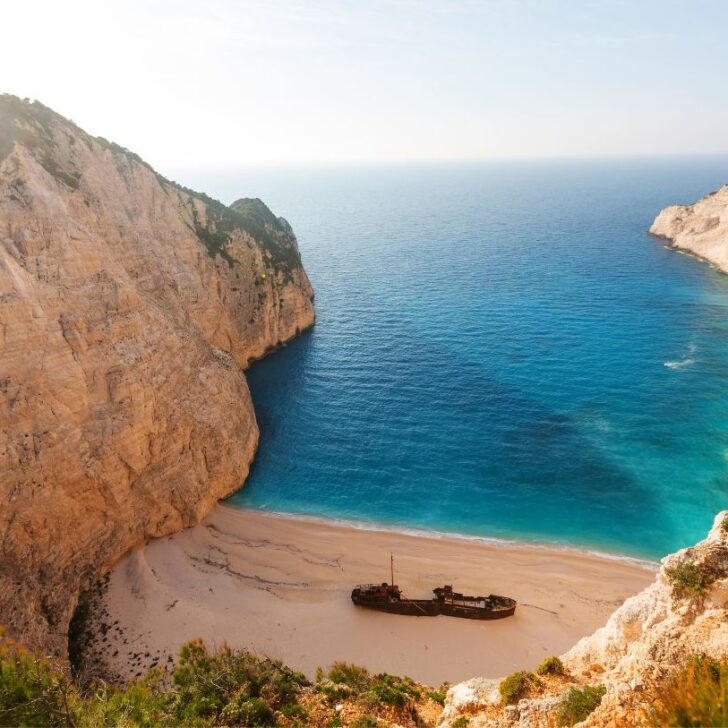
226	83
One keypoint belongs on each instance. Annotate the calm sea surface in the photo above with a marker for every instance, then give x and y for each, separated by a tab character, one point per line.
501	350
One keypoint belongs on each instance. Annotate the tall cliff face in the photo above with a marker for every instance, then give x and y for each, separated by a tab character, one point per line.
700	229
128	308
644	640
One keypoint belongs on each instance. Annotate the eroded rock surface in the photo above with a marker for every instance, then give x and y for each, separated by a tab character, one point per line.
128	308
643	641
700	229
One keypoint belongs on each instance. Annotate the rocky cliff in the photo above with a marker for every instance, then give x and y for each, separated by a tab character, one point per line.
700	229
129	307
682	614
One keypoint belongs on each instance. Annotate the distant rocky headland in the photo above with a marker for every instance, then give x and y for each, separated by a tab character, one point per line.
129	306
700	229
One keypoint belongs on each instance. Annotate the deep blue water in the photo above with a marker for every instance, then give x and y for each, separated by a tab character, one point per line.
501	350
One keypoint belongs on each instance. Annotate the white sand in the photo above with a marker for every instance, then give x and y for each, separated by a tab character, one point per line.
280	587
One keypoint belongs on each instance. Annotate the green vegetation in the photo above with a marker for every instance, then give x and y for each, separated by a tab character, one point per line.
32	691
214	234
225	687
273	232
689	579
355	677
437	695
15	115
517	686
49	165
33	125
391	690
250	216
697	695
724	524
346	680
366	721
578	703
551	666
461	722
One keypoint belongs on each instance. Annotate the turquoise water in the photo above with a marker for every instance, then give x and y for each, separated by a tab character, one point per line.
501	350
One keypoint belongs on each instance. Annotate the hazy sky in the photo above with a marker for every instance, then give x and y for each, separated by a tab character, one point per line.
228	82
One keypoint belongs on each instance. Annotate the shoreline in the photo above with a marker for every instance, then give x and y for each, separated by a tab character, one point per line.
280	587
435	535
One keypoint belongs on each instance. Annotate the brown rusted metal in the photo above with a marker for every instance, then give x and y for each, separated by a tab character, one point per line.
389	598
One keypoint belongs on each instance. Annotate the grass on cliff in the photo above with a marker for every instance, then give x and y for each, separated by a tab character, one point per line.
696	695
551	666
689	579
345	680
517	686
578	704
224	687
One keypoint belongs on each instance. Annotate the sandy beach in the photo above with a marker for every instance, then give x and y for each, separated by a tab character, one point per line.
280	587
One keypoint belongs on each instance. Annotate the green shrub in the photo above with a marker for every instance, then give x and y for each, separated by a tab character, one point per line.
437	695
225	687
697	695
551	666
724	524
141	703
334	692
205	688
365	721
294	711
461	722
32	691
516	686
689	579
355	677
578	703
391	690
248	712
345	680
206	683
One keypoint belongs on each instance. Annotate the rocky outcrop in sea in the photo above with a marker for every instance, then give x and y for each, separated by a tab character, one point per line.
700	229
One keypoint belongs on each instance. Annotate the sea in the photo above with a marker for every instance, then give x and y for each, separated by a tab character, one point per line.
501	351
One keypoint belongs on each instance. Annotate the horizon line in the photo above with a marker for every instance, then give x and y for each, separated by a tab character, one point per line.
449	160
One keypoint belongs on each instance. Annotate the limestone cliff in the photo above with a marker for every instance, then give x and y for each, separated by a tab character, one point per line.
700	229
128	308
643	641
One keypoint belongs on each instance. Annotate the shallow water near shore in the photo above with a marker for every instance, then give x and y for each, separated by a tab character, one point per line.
501	350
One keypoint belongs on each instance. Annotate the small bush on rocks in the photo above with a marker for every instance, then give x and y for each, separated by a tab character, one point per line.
516	686
551	666
391	690
578	703
437	695
689	579
697	695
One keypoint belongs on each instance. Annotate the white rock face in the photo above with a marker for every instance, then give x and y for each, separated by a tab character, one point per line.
701	229
649	635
